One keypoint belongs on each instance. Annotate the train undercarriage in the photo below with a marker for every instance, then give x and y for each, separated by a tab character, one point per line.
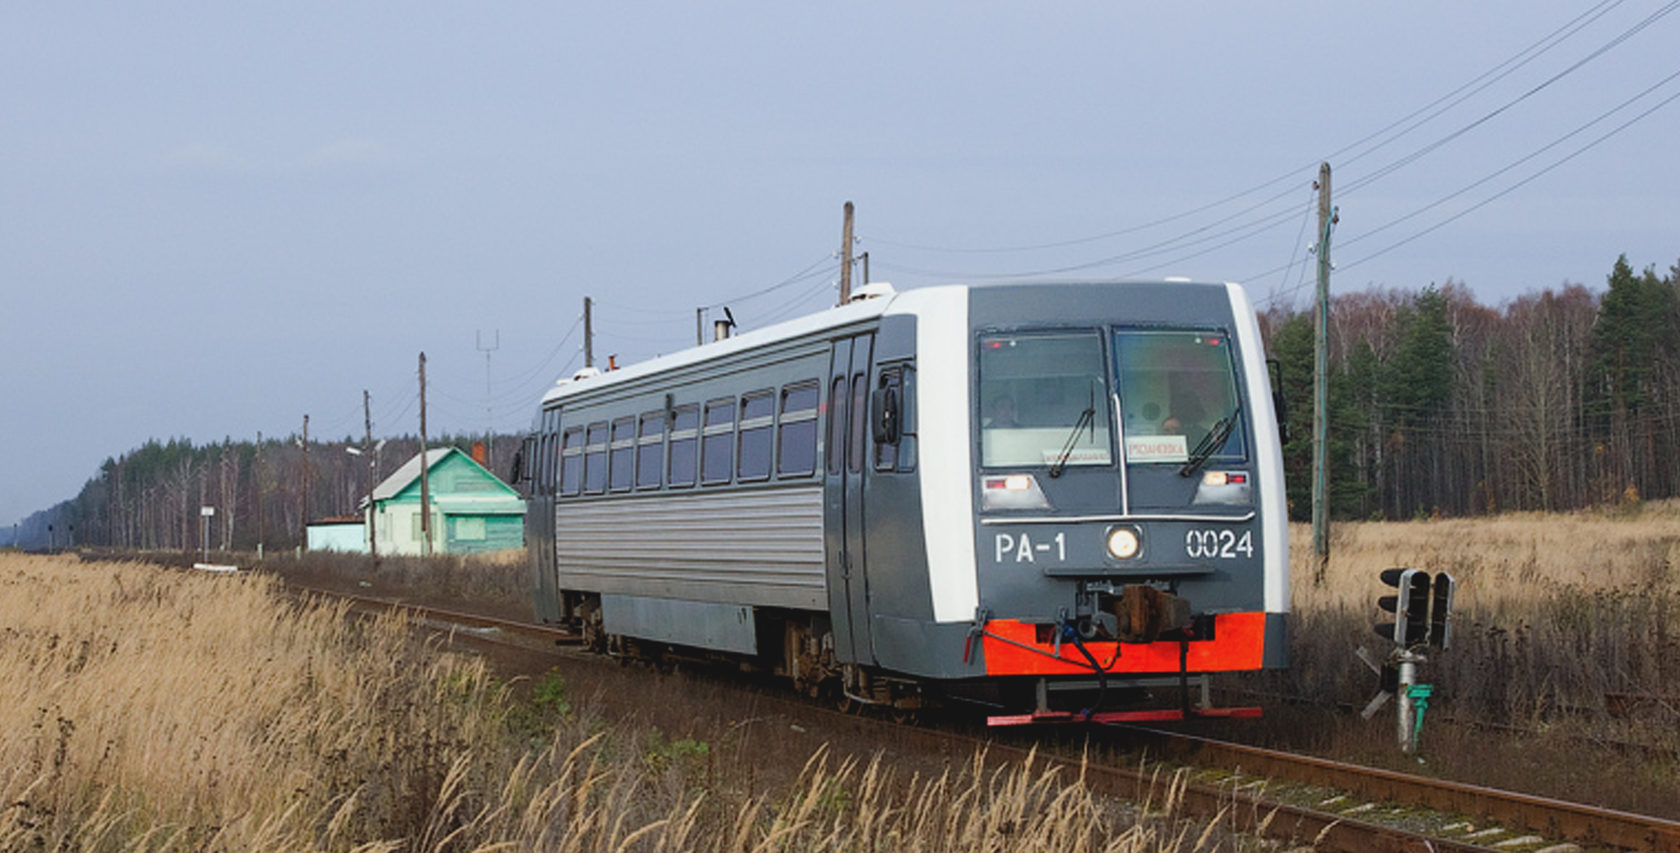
797	648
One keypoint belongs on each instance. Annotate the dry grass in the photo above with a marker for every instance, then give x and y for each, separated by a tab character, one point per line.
152	710
1553	612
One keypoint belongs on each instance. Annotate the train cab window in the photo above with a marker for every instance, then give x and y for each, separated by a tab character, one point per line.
886	453
623	463
757	436
717	441
836	447
796	454
685	445
595	459
571	462
1178	389
1043	400
650	451
860	423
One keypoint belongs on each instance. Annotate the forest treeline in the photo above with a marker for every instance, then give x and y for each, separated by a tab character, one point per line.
1439	405
262	492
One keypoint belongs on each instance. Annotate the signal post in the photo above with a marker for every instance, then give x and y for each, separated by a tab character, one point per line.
1421	607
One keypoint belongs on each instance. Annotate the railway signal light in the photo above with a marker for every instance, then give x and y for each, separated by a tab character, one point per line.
1422	608
1440	609
1409	604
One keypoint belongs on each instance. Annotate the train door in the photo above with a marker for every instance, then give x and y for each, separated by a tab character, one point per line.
539	518
847	448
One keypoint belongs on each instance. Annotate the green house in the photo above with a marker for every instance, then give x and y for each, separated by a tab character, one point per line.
472	510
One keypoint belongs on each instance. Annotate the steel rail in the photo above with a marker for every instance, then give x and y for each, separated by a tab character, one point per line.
1246	812
459	618
1576	822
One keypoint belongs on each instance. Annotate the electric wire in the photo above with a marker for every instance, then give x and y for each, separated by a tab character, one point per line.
1428	113
1519	184
1486	79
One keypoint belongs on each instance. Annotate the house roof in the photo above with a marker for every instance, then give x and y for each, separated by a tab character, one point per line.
503	501
409	472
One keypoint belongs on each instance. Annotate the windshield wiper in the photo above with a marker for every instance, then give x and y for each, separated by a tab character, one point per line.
1211	443
1086	418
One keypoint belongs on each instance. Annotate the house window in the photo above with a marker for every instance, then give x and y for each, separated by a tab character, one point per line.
757	437
717	441
418	533
685	445
623	453
650	451
469	529
797	453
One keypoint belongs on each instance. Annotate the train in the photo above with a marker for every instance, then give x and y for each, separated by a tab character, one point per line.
1052	499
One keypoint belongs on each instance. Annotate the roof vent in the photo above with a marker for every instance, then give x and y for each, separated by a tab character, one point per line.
873	290
585	373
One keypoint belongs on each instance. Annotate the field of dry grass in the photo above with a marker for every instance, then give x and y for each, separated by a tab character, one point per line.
150	709
1554	613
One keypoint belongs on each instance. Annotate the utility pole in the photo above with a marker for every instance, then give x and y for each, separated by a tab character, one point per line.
373	474
305	533
489	420
699	326
846	257
256	479
1321	386
425	483
588	332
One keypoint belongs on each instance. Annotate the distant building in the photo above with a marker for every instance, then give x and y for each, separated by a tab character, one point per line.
345	533
472	510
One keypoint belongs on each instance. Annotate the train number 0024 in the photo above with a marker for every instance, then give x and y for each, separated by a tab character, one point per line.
1218	544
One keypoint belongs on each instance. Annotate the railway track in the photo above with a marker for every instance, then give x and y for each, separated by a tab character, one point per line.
1328	804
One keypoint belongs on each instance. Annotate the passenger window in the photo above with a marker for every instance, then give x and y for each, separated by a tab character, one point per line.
797	451
860	422
717	441
571	462
685	441
650	451
623	453
757	437
595	459
836	448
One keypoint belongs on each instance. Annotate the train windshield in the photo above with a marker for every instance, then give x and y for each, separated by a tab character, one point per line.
1043	400
1179	395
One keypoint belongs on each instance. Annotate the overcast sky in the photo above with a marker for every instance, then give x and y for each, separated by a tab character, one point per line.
216	218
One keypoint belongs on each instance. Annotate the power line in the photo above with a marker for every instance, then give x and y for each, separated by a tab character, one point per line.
1388	134
1524	182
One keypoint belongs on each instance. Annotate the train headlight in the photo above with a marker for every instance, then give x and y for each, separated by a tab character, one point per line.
1123	543
1012	491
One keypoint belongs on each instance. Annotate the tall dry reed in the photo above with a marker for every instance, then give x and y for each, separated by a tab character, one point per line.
154	710
1553	611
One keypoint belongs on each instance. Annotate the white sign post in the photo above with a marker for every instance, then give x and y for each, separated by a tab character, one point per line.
205	514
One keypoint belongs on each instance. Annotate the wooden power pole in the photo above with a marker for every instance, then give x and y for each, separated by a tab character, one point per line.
425	484
305	445
588	332
846	257
373	474
1321	386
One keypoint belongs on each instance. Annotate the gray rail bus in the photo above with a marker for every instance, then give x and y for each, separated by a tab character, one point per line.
1013	493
